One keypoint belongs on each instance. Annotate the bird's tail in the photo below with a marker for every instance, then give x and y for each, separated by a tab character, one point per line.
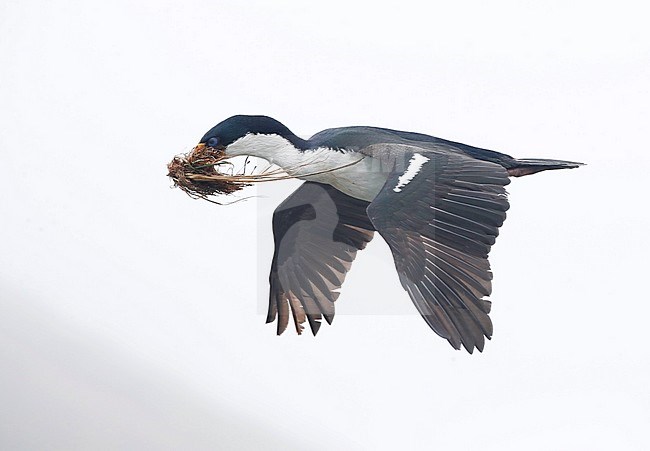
529	166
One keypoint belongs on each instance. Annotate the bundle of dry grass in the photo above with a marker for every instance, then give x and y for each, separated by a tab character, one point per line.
198	173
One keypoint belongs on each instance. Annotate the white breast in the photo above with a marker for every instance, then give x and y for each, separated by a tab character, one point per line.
352	173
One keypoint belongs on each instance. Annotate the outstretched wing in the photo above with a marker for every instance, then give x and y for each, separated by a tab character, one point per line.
440	213
317	232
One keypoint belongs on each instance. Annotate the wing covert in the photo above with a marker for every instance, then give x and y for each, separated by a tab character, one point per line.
440	220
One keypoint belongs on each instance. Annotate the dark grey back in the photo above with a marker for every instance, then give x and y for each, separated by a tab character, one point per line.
359	137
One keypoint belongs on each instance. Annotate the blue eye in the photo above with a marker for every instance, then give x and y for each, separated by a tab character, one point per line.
212	142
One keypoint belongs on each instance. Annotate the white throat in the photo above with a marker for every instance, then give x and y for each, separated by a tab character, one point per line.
269	147
350	172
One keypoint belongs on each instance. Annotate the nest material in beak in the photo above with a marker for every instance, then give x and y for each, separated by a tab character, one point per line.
197	174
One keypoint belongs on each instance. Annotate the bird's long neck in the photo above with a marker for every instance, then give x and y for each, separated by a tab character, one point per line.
274	148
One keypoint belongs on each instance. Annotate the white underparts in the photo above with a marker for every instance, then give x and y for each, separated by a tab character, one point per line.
354	174
415	164
269	147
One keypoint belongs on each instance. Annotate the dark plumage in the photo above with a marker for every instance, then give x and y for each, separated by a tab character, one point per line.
437	203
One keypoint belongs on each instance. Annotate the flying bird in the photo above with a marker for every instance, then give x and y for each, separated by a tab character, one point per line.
437	203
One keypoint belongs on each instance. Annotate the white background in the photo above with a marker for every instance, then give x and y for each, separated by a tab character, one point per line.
130	314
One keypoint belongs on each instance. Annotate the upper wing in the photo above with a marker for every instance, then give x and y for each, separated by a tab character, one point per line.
317	232
440	213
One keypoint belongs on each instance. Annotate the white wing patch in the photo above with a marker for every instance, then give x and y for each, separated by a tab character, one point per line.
415	164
